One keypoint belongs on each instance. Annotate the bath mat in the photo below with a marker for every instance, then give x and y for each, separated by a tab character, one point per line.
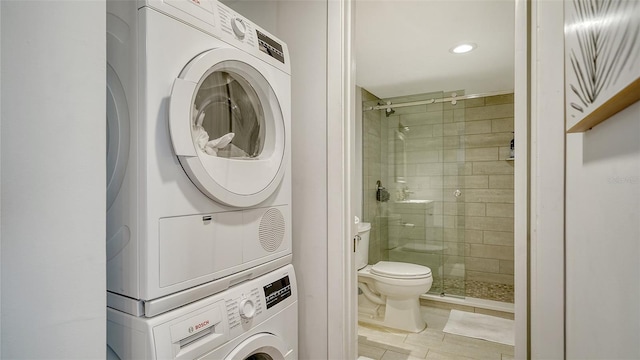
481	326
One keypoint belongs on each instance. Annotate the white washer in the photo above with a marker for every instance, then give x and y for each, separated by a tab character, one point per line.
186	209
254	320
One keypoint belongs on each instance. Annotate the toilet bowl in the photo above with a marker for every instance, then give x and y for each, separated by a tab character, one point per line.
395	286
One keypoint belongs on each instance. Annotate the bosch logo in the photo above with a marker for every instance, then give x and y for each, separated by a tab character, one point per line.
202	324
196	1
190	329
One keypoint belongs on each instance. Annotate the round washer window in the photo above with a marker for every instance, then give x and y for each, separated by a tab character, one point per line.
259	356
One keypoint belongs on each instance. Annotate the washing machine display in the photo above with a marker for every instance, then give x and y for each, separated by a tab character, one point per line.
198	167
277	291
232	324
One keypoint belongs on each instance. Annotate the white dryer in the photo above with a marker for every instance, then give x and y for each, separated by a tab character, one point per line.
199	187
254	320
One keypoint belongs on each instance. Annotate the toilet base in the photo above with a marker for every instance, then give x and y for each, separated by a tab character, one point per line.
404	315
392	314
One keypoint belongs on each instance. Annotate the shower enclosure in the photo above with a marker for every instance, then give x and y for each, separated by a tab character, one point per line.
443	159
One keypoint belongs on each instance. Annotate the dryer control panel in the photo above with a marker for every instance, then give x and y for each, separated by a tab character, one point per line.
224	23
270	47
233	24
244	31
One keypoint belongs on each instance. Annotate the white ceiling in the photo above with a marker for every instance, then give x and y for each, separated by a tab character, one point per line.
402	47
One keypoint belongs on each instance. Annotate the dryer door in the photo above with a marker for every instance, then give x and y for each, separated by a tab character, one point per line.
227	126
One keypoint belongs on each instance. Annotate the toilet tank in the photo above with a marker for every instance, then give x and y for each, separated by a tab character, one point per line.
362	248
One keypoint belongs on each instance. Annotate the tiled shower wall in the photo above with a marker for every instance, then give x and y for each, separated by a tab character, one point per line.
489	192
463	146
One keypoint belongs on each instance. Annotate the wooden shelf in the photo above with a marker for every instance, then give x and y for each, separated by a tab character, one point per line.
618	102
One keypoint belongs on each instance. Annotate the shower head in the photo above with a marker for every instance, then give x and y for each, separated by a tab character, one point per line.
389	112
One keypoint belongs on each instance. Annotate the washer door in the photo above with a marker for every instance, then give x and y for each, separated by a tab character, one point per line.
227	127
259	347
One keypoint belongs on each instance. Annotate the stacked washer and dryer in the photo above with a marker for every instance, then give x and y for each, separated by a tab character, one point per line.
198	185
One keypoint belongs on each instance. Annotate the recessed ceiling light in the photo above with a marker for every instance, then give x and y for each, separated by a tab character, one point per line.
463	48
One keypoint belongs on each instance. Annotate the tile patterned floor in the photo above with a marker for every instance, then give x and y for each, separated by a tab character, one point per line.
381	343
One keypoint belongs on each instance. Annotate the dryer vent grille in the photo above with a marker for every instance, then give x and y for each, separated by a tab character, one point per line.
271	231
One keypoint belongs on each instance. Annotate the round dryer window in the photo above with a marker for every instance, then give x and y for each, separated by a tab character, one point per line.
227	127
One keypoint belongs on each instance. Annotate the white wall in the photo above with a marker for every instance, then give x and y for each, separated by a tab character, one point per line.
603	239
601	227
303	25
53	179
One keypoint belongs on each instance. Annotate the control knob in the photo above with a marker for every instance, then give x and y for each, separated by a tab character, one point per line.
239	28
247	309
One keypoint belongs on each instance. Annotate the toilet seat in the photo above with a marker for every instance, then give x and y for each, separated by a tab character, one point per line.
400	270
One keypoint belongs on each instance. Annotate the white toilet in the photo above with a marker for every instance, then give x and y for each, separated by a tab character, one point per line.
394	286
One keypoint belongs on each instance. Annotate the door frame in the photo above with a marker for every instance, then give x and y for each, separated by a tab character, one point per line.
341	274
522	184
342	324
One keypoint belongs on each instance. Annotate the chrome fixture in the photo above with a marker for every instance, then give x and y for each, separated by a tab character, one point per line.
452	99
402	127
388	109
405	193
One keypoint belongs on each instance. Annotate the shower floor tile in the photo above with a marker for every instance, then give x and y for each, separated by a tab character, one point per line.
475	289
382	343
489	291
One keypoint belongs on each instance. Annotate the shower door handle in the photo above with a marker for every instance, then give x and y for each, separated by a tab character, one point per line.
457	193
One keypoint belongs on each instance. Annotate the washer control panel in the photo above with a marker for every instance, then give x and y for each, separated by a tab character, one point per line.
250	303
243	308
199	327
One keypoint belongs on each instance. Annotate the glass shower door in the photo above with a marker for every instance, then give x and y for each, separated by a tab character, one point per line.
414	127
413	147
456	171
